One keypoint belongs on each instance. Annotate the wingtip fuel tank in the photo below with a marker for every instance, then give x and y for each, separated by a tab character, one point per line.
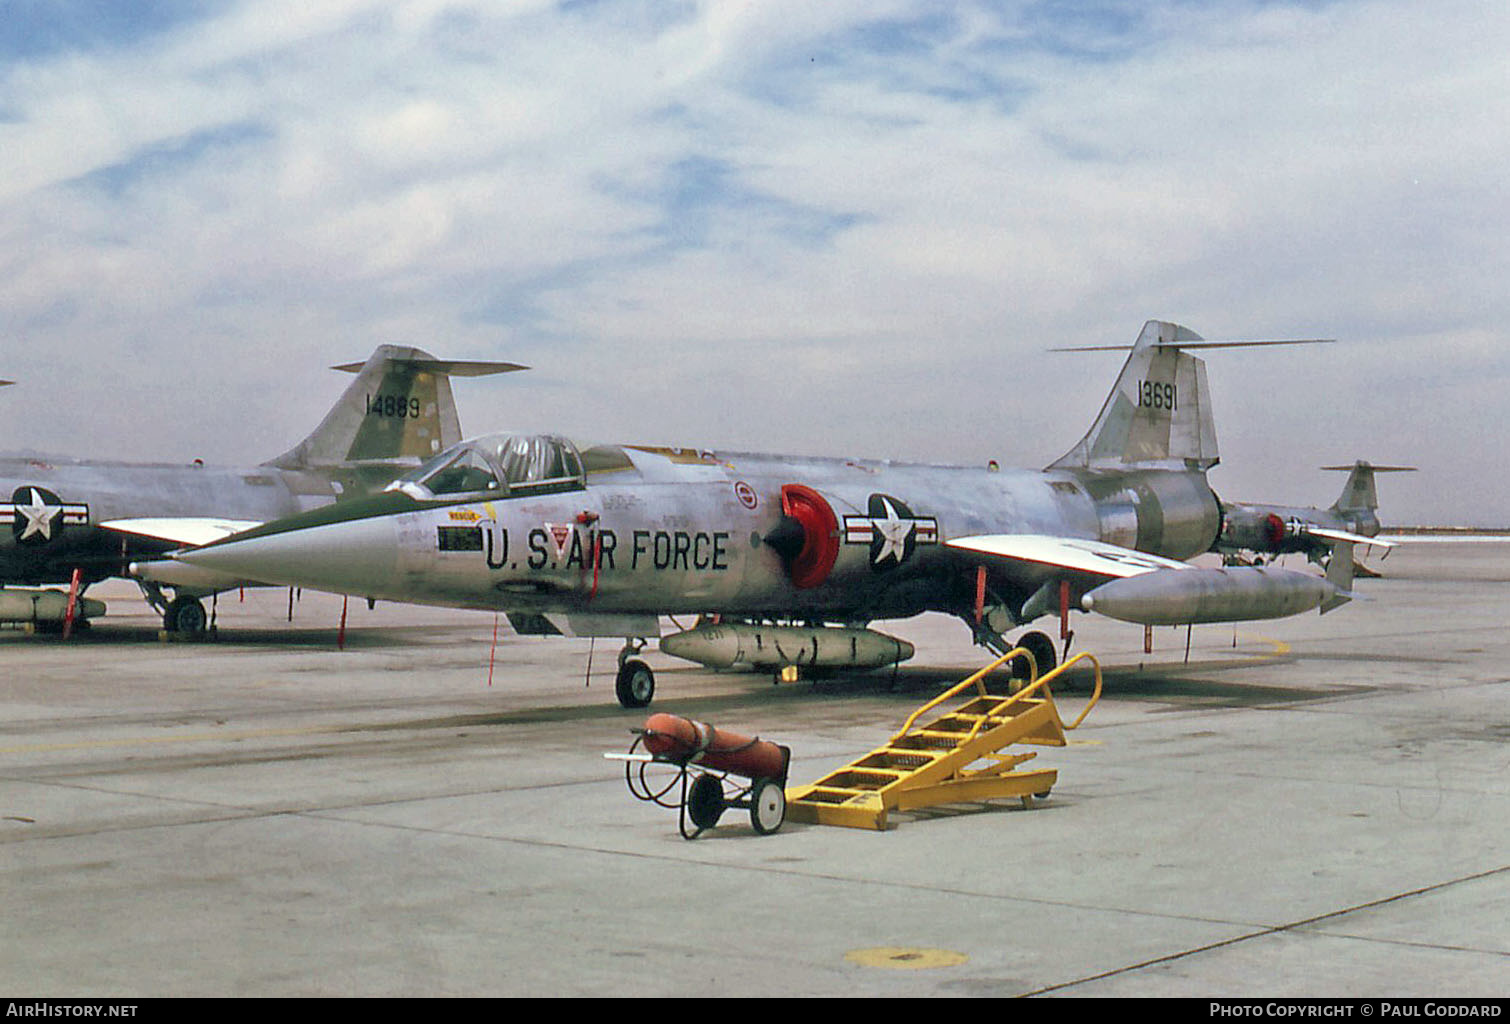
1179	597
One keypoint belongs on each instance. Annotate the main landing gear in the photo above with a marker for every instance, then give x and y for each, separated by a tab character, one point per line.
1038	644
635	685
184	616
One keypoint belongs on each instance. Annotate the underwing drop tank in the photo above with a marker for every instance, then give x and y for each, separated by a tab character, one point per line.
1180	597
45	606
743	645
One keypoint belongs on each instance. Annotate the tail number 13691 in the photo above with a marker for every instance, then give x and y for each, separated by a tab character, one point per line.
1154	394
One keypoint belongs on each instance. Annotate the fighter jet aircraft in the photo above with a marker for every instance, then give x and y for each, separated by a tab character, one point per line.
1252	532
103	519
788	559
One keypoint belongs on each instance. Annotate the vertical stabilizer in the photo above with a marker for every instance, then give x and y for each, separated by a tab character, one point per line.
399	407
1159	412
1339	573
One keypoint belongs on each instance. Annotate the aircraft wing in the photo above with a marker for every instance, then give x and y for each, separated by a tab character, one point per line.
1351	538
191	531
1075	553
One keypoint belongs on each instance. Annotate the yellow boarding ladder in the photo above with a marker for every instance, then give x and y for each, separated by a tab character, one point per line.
931	764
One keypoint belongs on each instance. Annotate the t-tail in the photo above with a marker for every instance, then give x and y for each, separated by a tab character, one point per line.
1358	494
1158	415
398	410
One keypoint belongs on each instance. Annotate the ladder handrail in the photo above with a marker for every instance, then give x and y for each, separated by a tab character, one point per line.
1095	694
1050	676
973	679
1036	684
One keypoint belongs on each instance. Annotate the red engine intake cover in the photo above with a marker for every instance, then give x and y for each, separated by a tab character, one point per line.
1276	530
820	535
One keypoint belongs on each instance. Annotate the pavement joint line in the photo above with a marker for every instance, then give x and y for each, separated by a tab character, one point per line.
1303	924
336	815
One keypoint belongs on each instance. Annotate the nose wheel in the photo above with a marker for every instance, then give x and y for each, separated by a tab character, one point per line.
635	685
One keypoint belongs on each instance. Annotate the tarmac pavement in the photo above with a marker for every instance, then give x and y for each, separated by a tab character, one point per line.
1315	806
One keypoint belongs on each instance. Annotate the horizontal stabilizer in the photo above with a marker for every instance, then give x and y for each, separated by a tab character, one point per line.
454	367
1201	343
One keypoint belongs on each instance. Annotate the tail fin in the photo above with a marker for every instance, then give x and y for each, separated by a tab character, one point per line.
1159	411
399	408
1358	492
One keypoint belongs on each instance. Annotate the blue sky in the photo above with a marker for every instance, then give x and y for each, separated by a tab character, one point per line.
851	227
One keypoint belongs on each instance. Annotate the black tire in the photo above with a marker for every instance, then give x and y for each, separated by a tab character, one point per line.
635	686
1042	648
767	806
186	616
705	801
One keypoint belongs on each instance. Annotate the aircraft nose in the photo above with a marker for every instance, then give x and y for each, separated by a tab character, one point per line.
354	557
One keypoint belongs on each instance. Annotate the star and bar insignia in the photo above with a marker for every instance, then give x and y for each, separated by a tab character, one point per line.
891	530
37	515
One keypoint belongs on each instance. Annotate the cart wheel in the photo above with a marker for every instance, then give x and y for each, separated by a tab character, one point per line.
635	686
767	806
705	801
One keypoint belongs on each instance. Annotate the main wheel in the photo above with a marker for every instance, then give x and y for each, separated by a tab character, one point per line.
1041	648
635	686
767	805
186	615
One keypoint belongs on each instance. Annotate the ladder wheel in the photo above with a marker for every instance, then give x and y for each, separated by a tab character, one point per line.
767	806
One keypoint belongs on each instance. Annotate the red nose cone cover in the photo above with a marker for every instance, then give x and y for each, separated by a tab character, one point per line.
820	529
1276	527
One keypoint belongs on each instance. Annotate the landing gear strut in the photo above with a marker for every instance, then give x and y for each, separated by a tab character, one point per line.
1038	644
184	615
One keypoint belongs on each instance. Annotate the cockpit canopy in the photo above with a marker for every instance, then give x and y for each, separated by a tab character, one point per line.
498	466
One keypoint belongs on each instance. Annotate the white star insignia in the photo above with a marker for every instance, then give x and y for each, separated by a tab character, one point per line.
39	516
893	531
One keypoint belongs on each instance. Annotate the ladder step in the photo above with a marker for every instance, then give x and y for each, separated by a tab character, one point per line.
852	779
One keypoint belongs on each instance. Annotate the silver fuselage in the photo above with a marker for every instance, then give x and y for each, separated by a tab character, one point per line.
682	533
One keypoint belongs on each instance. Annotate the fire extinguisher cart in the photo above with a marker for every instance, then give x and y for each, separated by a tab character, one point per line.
714	770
